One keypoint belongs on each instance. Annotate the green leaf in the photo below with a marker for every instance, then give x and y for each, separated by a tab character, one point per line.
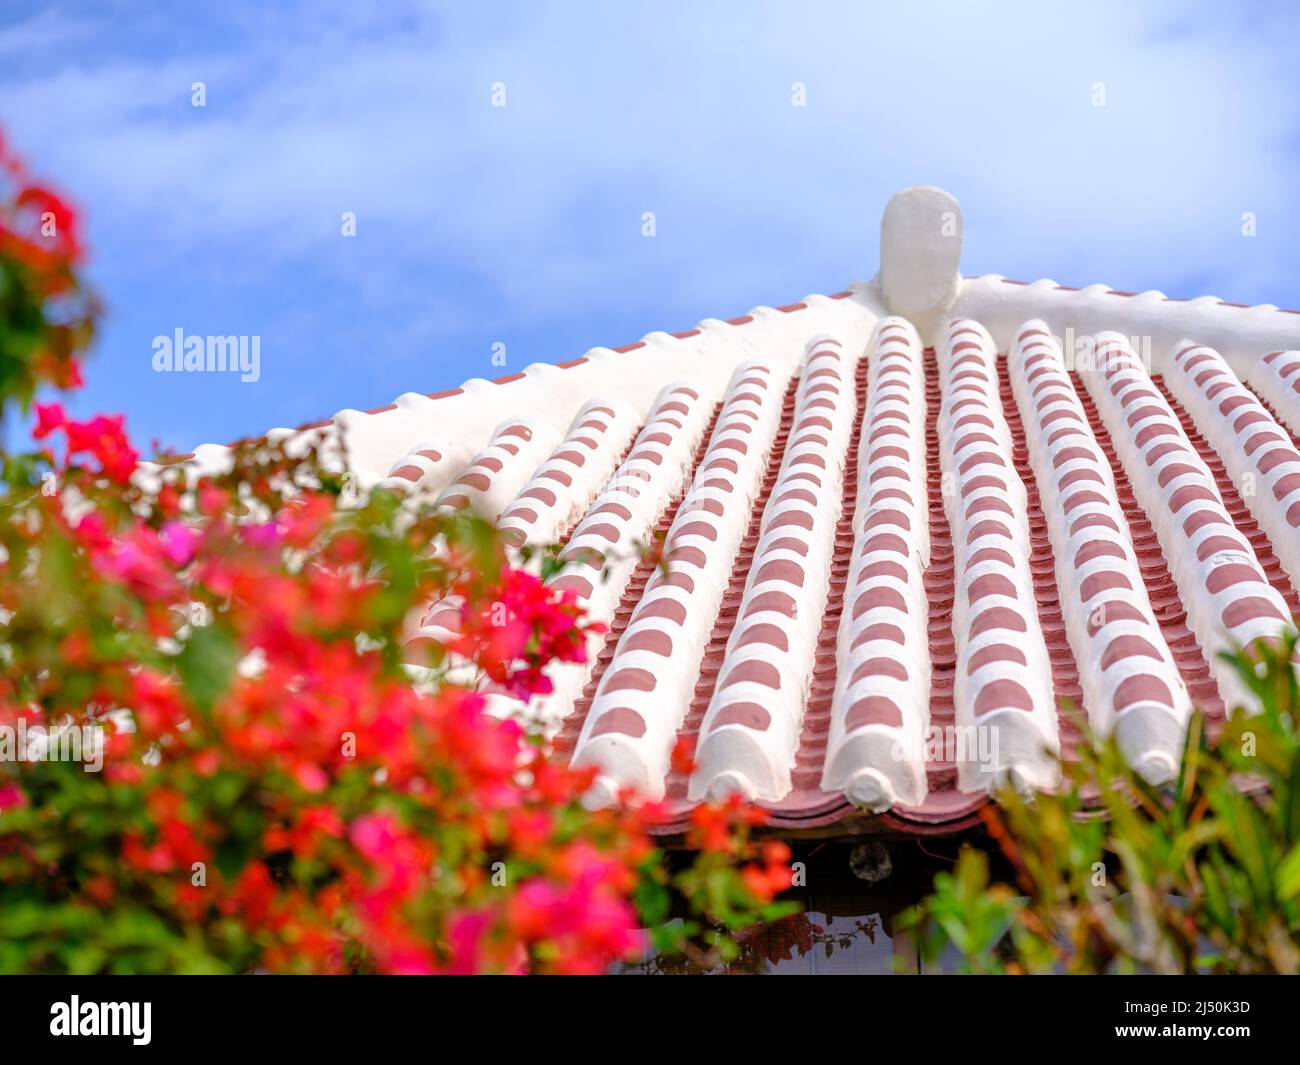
1291	797
207	665
1287	876
653	902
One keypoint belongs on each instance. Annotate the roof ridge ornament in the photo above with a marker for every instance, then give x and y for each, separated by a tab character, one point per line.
920	255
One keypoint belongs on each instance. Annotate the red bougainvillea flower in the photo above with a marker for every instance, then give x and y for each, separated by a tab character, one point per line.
37	226
683	756
712	825
49	417
102	437
54	221
768	880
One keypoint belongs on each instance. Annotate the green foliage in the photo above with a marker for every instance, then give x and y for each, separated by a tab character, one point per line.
1111	874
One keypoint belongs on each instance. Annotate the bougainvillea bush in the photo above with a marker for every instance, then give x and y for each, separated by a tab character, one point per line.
213	758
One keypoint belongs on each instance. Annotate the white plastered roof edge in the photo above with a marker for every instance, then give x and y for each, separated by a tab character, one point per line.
1242	335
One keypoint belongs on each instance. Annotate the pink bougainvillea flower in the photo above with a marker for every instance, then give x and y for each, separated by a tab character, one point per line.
264	535
11	796
179	542
373	834
311	777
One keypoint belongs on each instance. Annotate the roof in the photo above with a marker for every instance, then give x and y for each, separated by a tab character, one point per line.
904	524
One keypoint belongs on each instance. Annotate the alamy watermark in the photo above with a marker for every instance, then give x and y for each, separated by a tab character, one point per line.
210	354
1083	353
53	743
971	744
77	1018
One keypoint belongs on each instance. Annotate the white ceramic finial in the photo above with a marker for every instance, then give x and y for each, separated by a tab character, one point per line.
920	254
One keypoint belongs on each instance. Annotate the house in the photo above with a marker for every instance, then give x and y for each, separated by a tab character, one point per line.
905	524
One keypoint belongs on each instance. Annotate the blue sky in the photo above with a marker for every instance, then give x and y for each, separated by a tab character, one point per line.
521	225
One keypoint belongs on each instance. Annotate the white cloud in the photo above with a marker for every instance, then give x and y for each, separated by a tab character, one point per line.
680	110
